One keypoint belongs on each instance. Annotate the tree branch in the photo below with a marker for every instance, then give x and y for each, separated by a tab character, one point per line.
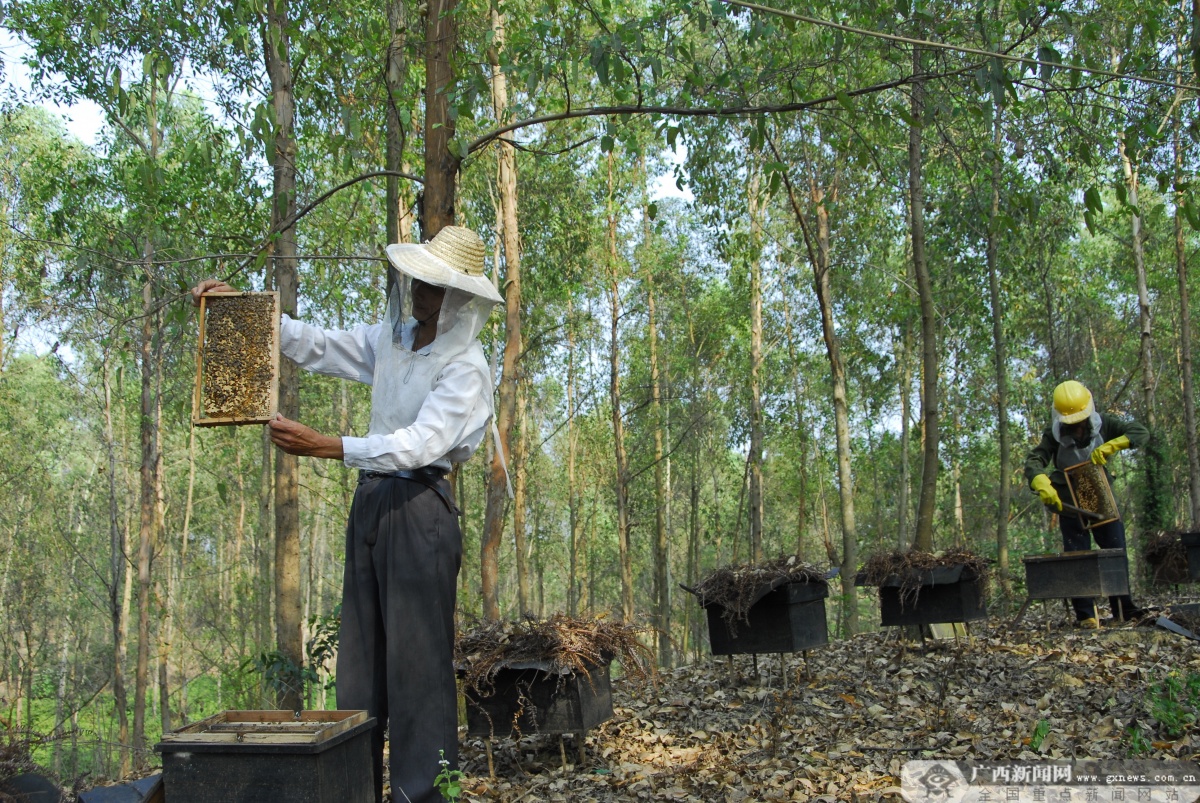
699	111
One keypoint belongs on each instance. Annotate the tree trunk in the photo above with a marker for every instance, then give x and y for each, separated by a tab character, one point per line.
929	356
441	165
818	253
506	179
801	431
151	463
999	358
904	383
165	637
60	692
394	73
662	552
755	210
519	535
116	564
841	418
1185	333
691	627
573	496
614	389
288	623
960	527
3	273
181	566
262	554
1146	350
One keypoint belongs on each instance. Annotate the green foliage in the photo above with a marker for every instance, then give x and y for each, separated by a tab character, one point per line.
1040	731
1173	706
448	782
1174	703
280	674
1139	745
1156	497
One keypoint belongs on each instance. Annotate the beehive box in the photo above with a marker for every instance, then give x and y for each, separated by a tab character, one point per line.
789	618
1090	490
940	595
527	698
237	359
254	756
1191	542
1086	573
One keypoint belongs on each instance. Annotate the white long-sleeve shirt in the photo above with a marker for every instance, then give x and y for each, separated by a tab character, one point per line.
450	425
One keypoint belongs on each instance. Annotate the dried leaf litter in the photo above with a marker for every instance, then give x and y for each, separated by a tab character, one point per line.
722	731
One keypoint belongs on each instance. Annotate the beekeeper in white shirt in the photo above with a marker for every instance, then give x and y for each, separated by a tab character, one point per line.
431	404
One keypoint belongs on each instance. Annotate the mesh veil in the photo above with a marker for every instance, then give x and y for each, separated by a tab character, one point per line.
462	317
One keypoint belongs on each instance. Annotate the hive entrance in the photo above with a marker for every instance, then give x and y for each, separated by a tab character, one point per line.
237	360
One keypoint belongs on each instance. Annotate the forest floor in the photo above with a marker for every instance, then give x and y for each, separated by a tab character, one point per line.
840	725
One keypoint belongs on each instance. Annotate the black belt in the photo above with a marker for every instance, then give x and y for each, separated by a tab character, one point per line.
429	476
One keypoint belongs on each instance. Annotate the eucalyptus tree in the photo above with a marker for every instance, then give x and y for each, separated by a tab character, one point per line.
92	66
1132	38
660	426
38	161
1181	272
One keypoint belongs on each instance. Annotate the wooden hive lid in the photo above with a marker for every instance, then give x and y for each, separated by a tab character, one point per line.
304	731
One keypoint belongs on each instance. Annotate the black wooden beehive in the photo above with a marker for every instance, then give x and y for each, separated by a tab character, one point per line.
528	697
789	618
1086	573
1191	542
256	756
941	595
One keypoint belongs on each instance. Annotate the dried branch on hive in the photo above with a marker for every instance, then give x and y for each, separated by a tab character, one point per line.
1166	555
16	755
239	356
564	645
737	588
911	565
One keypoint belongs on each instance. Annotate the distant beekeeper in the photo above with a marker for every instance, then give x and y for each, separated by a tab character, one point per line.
431	402
1078	433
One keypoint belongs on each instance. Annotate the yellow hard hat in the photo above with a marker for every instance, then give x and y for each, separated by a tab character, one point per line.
1073	402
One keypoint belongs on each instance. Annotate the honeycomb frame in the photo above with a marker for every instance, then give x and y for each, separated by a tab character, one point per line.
1090	490
237	359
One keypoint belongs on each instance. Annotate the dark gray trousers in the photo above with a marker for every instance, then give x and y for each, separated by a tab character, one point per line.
396	644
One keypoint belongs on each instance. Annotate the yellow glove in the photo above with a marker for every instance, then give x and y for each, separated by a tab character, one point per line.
1104	451
1041	484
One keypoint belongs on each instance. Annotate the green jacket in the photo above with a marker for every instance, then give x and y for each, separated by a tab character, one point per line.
1042	455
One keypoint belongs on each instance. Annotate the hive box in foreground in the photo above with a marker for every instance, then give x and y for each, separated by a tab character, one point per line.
256	756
